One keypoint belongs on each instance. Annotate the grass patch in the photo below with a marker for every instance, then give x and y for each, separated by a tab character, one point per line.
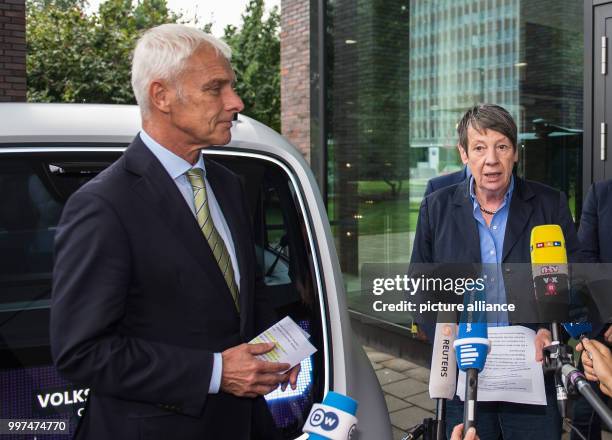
380	216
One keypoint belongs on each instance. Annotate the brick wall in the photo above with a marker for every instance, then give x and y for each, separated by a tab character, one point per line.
295	73
12	51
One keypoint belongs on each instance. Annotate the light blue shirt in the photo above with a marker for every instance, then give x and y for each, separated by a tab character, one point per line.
491	249
177	167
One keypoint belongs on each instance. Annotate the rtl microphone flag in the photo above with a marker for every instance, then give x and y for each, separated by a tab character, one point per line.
551	288
334	419
550	273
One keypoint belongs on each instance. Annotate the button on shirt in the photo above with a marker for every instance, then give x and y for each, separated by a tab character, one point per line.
177	167
491	248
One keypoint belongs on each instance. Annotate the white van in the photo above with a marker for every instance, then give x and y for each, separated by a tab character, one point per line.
47	151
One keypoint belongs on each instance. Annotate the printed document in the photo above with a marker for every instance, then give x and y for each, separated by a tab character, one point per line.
292	345
511	373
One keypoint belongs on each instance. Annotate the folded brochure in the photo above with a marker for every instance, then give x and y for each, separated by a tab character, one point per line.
291	343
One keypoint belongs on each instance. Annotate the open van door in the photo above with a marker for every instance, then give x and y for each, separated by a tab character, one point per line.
35	183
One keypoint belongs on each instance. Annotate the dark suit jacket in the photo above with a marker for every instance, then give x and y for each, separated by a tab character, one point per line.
448	233
596	223
445	180
139	305
594	235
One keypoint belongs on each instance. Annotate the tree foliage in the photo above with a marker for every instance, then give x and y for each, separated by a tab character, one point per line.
75	57
256	60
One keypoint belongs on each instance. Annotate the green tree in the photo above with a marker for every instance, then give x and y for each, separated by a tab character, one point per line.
75	57
256	60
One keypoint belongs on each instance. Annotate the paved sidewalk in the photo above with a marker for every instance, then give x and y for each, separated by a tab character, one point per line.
406	389
405	385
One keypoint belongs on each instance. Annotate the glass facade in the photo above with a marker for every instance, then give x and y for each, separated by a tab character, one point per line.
401	73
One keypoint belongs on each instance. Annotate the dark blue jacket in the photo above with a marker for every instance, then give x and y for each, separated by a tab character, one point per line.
448	233
595	231
595	235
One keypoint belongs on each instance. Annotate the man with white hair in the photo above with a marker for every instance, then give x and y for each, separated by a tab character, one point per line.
154	289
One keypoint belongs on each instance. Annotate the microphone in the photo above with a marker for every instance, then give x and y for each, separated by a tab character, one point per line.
443	374
575	377
471	347
551	288
578	330
550	273
334	419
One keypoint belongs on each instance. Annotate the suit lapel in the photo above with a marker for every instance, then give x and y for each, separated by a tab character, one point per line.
160	193
518	216
465	223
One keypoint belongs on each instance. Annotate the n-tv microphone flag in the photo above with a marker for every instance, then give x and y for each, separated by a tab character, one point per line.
551	289
550	273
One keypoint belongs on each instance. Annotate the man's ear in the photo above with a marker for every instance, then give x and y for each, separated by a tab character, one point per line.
160	95
463	154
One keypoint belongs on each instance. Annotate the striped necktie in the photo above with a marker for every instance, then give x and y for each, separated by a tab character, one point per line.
216	243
